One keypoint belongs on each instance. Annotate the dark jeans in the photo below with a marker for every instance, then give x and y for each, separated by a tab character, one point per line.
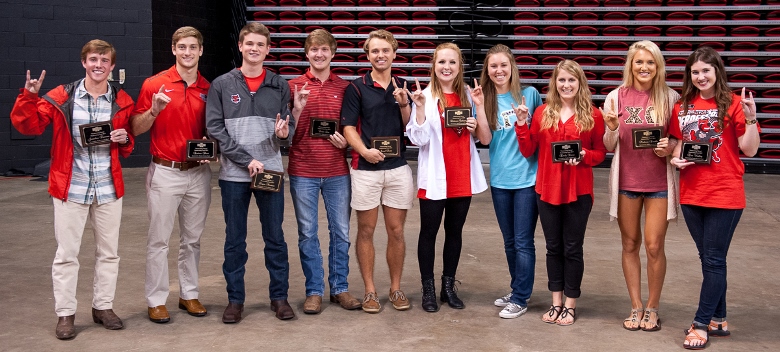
564	231
712	230
516	211
431	212
235	205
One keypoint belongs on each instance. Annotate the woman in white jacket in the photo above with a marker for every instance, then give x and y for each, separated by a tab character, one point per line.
449	171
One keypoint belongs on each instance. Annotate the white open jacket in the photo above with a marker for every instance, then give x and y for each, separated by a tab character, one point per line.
431	174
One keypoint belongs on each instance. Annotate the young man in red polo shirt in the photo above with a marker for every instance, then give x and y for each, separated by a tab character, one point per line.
172	106
317	164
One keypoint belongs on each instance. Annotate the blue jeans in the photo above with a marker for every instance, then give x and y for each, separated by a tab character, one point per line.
235	205
516	211
646	195
712	230
336	194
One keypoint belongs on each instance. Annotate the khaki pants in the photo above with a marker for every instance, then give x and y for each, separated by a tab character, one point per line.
69	221
170	191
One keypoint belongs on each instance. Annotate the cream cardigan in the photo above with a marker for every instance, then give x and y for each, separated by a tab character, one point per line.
611	142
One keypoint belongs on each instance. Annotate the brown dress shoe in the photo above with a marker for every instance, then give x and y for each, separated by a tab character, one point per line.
193	307
232	313
313	304
65	329
159	314
282	309
346	300
107	317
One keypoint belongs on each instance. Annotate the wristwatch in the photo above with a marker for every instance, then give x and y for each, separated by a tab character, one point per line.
751	122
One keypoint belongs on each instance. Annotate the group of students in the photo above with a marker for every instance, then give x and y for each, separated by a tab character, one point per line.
251	112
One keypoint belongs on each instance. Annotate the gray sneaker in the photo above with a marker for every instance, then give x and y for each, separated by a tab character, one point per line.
512	311
503	301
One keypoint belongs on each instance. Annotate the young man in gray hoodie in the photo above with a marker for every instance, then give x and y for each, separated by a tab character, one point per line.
247	113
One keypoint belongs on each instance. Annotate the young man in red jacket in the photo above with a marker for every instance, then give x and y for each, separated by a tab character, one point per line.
85	180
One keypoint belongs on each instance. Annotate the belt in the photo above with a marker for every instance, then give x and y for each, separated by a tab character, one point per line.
183	166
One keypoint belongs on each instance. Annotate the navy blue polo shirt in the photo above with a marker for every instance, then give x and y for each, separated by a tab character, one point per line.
374	113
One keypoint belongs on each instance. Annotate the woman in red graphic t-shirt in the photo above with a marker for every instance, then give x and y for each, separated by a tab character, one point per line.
641	177
448	169
712	192
564	189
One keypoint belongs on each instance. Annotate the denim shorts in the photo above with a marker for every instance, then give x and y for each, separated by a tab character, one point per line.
646	195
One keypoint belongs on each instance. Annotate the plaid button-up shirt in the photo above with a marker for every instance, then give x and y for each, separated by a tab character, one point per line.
91	179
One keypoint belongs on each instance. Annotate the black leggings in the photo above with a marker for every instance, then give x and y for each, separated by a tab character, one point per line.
431	212
564	231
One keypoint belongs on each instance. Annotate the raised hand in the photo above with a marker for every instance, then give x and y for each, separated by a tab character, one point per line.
159	101
521	112
400	94
610	118
748	105
282	128
34	85
476	93
417	97
300	97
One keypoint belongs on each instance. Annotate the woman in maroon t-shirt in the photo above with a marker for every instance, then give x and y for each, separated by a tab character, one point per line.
641	177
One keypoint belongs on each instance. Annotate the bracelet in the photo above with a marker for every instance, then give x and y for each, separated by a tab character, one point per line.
751	122
150	113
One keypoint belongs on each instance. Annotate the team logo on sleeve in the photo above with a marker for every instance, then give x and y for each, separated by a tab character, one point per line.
203	97
235	98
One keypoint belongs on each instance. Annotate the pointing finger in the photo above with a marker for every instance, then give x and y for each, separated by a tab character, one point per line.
394	84
614	109
162	89
417	82
304	86
523	99
28	79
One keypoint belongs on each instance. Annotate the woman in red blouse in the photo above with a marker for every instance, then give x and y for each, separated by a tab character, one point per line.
564	189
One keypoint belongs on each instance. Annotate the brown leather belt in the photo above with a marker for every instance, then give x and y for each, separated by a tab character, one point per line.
183	166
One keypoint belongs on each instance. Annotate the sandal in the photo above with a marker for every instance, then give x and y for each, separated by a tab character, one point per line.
693	341
718	329
633	319
552	314
565	312
654	324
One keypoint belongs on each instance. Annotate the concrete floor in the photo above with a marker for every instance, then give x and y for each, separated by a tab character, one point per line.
27	248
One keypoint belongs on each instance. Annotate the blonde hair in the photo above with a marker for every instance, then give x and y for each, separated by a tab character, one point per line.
256	28
659	92
185	32
457	86
381	34
320	37
583	105
489	88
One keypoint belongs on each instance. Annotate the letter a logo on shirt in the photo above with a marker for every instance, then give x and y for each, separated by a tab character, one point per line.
235	98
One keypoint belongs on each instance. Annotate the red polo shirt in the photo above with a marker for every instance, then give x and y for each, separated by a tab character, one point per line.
317	157
182	119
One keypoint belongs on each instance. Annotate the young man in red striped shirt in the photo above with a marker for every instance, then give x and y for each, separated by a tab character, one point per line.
317	164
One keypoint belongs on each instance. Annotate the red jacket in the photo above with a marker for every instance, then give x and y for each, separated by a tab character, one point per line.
32	114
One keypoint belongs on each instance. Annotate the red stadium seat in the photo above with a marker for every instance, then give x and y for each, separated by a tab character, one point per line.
556	16
585	45
744	46
773	78
289	70
769	154
423	30
265	3
613	61
401	59
647	3
585	16
679	31
590	76
745	31
290	16
711	31
527	74
310	29
527	45
342	16
616	16
711	3
366	29
317	3
526	3
676	61
773	15
421	72
547	74
423	16
680	2
605	90
362	58
771	109
423	44
612	76
290	43
717	46
584	31
773	32
342	30
556	3
363	70
316	16
526	60
264	16
774	47
343	58
397	30
647	31
402	45
526	30
289	29
370	3
344	44
526	16
674	77
617	3
290	3
369	16
555	45
770	123
772	62
712	16
346	3
290	57
743	62
685	16
552	60
647	16
743	78
555	31
586	60
272	29
544	89
342	71
422	59
400	72
270	57
397	3
678	46
614	46
749	16
753	2
586	3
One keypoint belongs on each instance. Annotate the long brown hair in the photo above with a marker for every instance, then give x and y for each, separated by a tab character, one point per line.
457	86
659	92
489	88
723	94
583	105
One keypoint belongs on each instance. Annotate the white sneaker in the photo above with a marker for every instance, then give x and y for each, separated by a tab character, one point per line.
503	301
512	311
